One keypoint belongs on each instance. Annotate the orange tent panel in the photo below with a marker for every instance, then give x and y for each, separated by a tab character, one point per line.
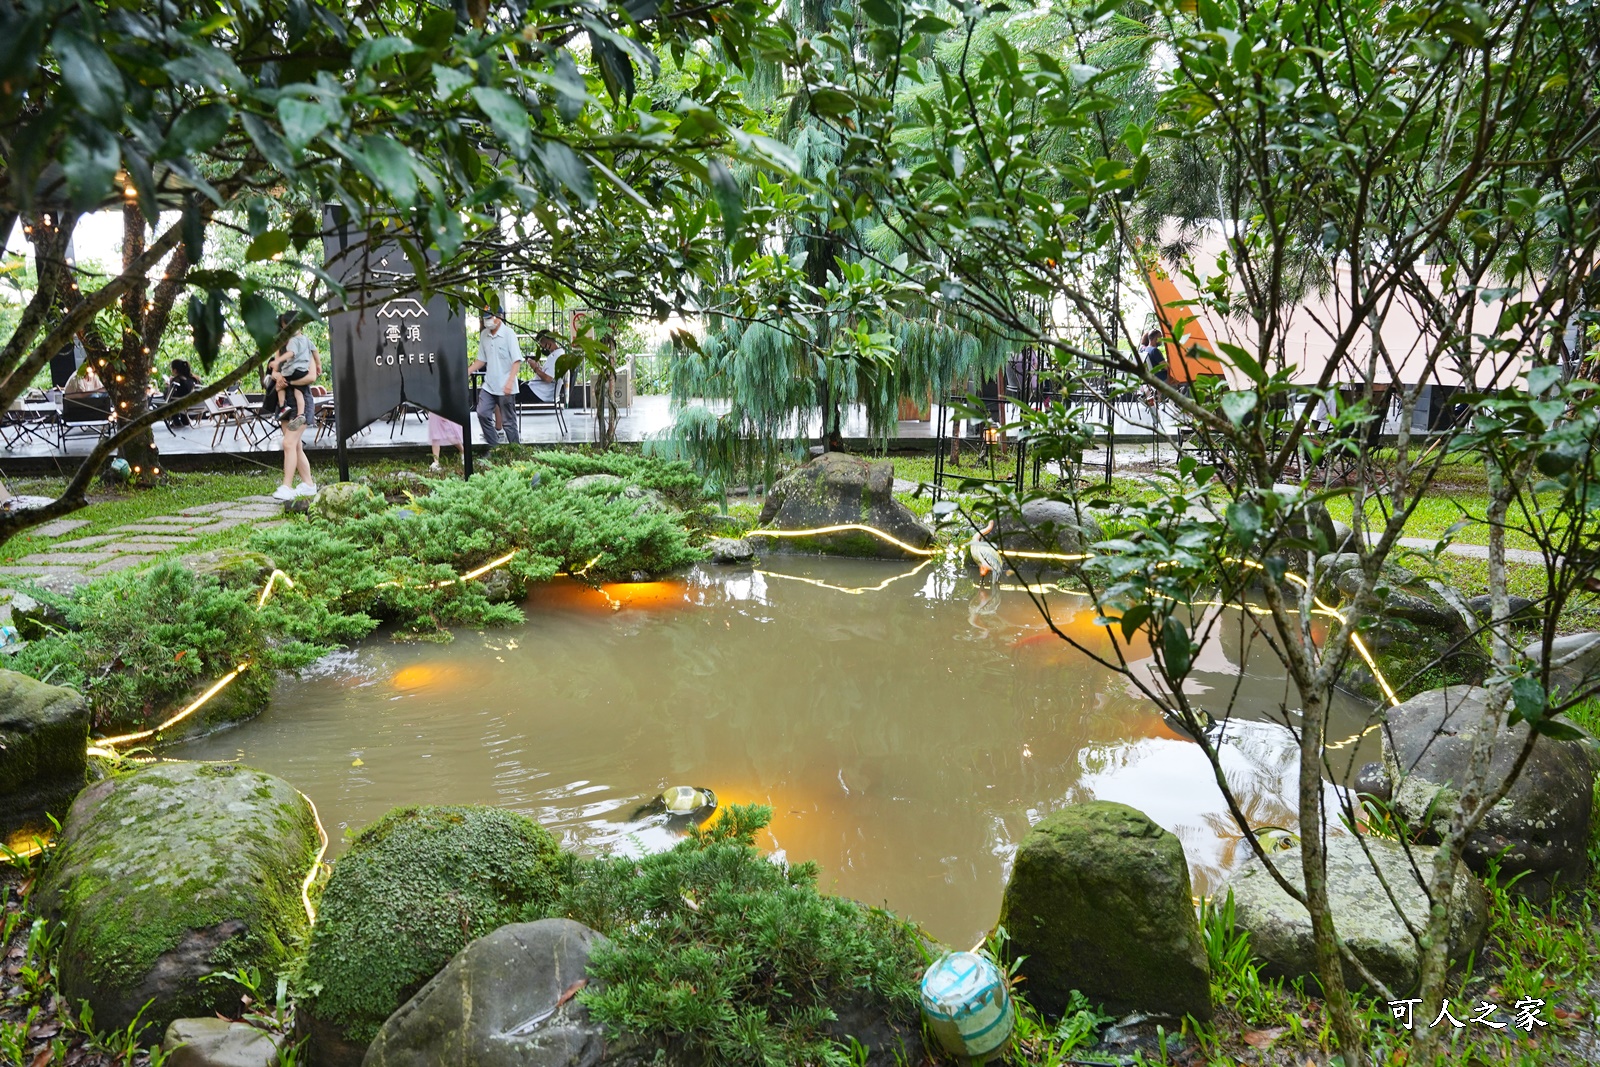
1199	358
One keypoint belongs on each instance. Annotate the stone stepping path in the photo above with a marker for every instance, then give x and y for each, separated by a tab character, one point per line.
137	543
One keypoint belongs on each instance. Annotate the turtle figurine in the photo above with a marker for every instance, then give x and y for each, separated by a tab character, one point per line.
681	803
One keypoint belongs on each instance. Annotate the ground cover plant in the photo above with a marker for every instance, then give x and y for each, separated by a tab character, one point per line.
724	954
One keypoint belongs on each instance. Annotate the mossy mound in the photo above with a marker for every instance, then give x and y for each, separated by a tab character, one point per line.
232	567
1099	902
171	872
413	890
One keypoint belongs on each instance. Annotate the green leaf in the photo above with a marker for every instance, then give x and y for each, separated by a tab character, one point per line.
205	321
391	163
1540	379
563	164
509	118
616	69
729	197
94	81
1244	518
1528	697
831	103
448	81
197	129
1175	648
1134	618
90	160
269	244
302	121
1241	359
269	144
377	49
261	319
1548	411
1238	405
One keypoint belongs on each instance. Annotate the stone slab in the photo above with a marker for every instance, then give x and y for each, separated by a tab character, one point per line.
144	528
170	520
41	569
266	499
140	546
122	563
58	527
85	542
163	539
216	527
206	509
70	559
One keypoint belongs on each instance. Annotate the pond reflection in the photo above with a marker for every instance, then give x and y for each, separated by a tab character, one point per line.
906	724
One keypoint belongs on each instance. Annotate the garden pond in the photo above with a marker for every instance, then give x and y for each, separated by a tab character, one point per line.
906	723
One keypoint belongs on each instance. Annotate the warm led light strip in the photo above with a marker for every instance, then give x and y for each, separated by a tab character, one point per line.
272	581
1322	608
316	864
842	528
856	590
222	683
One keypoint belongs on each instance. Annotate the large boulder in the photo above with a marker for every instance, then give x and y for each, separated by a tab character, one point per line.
172	872
1042	525
1099	901
506	1000
44	730
1539	830
218	1043
836	489
412	891
1584	650
1280	928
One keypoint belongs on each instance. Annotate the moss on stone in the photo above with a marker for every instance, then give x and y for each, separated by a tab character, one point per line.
180	868
414	888
42	733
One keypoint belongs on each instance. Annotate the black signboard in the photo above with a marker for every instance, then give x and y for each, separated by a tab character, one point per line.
391	345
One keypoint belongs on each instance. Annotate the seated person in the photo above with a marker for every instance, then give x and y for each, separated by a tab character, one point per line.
181	384
85	381
544	368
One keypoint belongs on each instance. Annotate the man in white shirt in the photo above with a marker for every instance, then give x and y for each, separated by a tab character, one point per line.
544	384
499	357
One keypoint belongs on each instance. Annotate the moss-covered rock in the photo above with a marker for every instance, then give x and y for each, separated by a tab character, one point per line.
1054	526
43	731
1099	901
339	501
836	489
171	872
413	890
232	567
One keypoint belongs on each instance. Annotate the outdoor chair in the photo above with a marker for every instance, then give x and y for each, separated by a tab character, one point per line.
193	412
530	404
83	415
401	412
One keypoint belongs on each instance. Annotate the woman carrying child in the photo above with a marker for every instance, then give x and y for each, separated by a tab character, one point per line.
290	374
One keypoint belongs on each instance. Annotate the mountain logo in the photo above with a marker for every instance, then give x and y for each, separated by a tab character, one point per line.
403	308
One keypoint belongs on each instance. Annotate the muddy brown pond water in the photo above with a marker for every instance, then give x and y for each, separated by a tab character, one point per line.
906	725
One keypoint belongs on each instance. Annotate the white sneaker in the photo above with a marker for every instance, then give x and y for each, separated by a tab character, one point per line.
283	492
306	489
435	468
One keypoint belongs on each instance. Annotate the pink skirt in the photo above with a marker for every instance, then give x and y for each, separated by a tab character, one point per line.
442	431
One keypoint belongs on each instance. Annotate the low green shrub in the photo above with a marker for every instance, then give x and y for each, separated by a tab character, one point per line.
415	887
740	959
674	479
138	643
